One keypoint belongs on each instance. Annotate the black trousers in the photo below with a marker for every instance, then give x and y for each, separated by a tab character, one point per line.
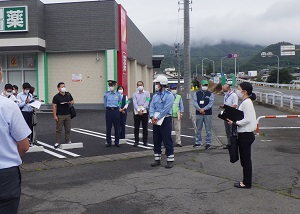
245	141
28	118
10	190
137	121
112	117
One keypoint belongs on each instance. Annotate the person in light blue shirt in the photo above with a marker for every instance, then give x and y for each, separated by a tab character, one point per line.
25	98
112	103
161	109
203	102
13	145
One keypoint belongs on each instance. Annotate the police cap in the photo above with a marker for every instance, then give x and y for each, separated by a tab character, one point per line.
111	82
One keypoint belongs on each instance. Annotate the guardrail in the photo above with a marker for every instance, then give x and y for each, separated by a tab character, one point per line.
274	85
280	100
272	117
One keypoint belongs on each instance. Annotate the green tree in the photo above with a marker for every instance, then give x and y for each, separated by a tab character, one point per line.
285	76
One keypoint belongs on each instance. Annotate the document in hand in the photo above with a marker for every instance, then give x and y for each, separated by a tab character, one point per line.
36	104
159	122
231	114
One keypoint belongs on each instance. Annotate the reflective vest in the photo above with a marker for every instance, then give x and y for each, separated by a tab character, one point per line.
175	108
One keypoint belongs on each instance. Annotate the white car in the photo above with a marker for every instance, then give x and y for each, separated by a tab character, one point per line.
229	81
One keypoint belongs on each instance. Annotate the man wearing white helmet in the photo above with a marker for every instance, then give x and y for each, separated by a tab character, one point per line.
161	117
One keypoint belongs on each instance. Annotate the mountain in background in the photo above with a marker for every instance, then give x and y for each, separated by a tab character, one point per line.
249	57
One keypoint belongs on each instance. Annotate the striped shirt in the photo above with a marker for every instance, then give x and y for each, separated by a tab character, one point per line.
141	99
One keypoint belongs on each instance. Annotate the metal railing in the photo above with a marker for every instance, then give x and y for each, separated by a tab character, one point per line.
274	85
279	100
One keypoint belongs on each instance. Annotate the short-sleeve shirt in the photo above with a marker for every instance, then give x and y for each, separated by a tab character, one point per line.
13	128
62	103
231	99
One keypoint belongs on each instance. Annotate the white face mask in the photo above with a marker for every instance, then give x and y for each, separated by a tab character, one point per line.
140	88
63	90
13	91
120	91
156	88
9	93
226	93
239	93
111	88
204	88
26	91
174	92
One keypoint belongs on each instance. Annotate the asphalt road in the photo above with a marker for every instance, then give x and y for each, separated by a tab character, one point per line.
200	182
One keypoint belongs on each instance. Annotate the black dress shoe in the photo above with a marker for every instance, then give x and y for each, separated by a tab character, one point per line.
117	145
135	144
107	145
238	185
178	145
225	147
145	144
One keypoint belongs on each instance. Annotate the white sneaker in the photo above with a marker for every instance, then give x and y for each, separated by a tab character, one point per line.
69	142
56	146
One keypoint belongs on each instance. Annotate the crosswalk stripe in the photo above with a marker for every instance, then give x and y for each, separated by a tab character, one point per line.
103	136
54	154
60	150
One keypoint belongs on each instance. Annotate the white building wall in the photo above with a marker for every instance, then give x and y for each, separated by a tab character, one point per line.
91	89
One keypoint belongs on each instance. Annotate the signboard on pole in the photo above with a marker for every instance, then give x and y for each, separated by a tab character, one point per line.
287	50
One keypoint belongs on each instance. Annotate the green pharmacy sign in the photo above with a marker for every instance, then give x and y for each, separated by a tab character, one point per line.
14	19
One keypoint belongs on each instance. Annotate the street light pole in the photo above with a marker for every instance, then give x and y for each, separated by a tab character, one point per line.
270	54
213	66
196	70
202	65
222	64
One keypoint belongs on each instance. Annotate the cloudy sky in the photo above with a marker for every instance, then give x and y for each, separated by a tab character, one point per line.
258	22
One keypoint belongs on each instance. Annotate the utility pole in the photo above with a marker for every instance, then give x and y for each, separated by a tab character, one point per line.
177	54
187	57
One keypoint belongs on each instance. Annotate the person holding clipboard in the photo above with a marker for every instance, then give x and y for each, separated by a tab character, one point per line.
161	118
245	129
230	99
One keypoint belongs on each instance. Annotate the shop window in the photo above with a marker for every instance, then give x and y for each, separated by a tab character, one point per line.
14	61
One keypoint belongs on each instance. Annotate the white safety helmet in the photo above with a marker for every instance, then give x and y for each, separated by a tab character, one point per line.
161	79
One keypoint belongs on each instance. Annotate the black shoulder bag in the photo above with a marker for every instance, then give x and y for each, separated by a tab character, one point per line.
72	109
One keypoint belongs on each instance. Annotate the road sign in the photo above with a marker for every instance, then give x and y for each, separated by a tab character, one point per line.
235	55
229	56
287	50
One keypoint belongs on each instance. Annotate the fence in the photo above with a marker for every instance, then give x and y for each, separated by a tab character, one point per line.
279	100
272	117
274	85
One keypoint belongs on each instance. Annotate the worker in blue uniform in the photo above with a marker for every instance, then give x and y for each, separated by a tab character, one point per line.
112	103
161	117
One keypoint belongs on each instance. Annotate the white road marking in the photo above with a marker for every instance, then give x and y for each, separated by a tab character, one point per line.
266	140
103	136
60	150
152	131
53	153
284	127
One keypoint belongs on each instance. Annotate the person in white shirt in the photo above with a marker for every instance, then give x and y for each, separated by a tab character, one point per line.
230	99
245	130
8	92
13	145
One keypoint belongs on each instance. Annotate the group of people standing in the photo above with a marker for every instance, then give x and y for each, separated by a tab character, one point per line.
165	108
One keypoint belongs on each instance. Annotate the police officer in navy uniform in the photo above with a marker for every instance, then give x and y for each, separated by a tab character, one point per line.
112	103
161	110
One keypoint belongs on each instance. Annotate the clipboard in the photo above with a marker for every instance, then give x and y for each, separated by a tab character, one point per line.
231	114
139	108
160	121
